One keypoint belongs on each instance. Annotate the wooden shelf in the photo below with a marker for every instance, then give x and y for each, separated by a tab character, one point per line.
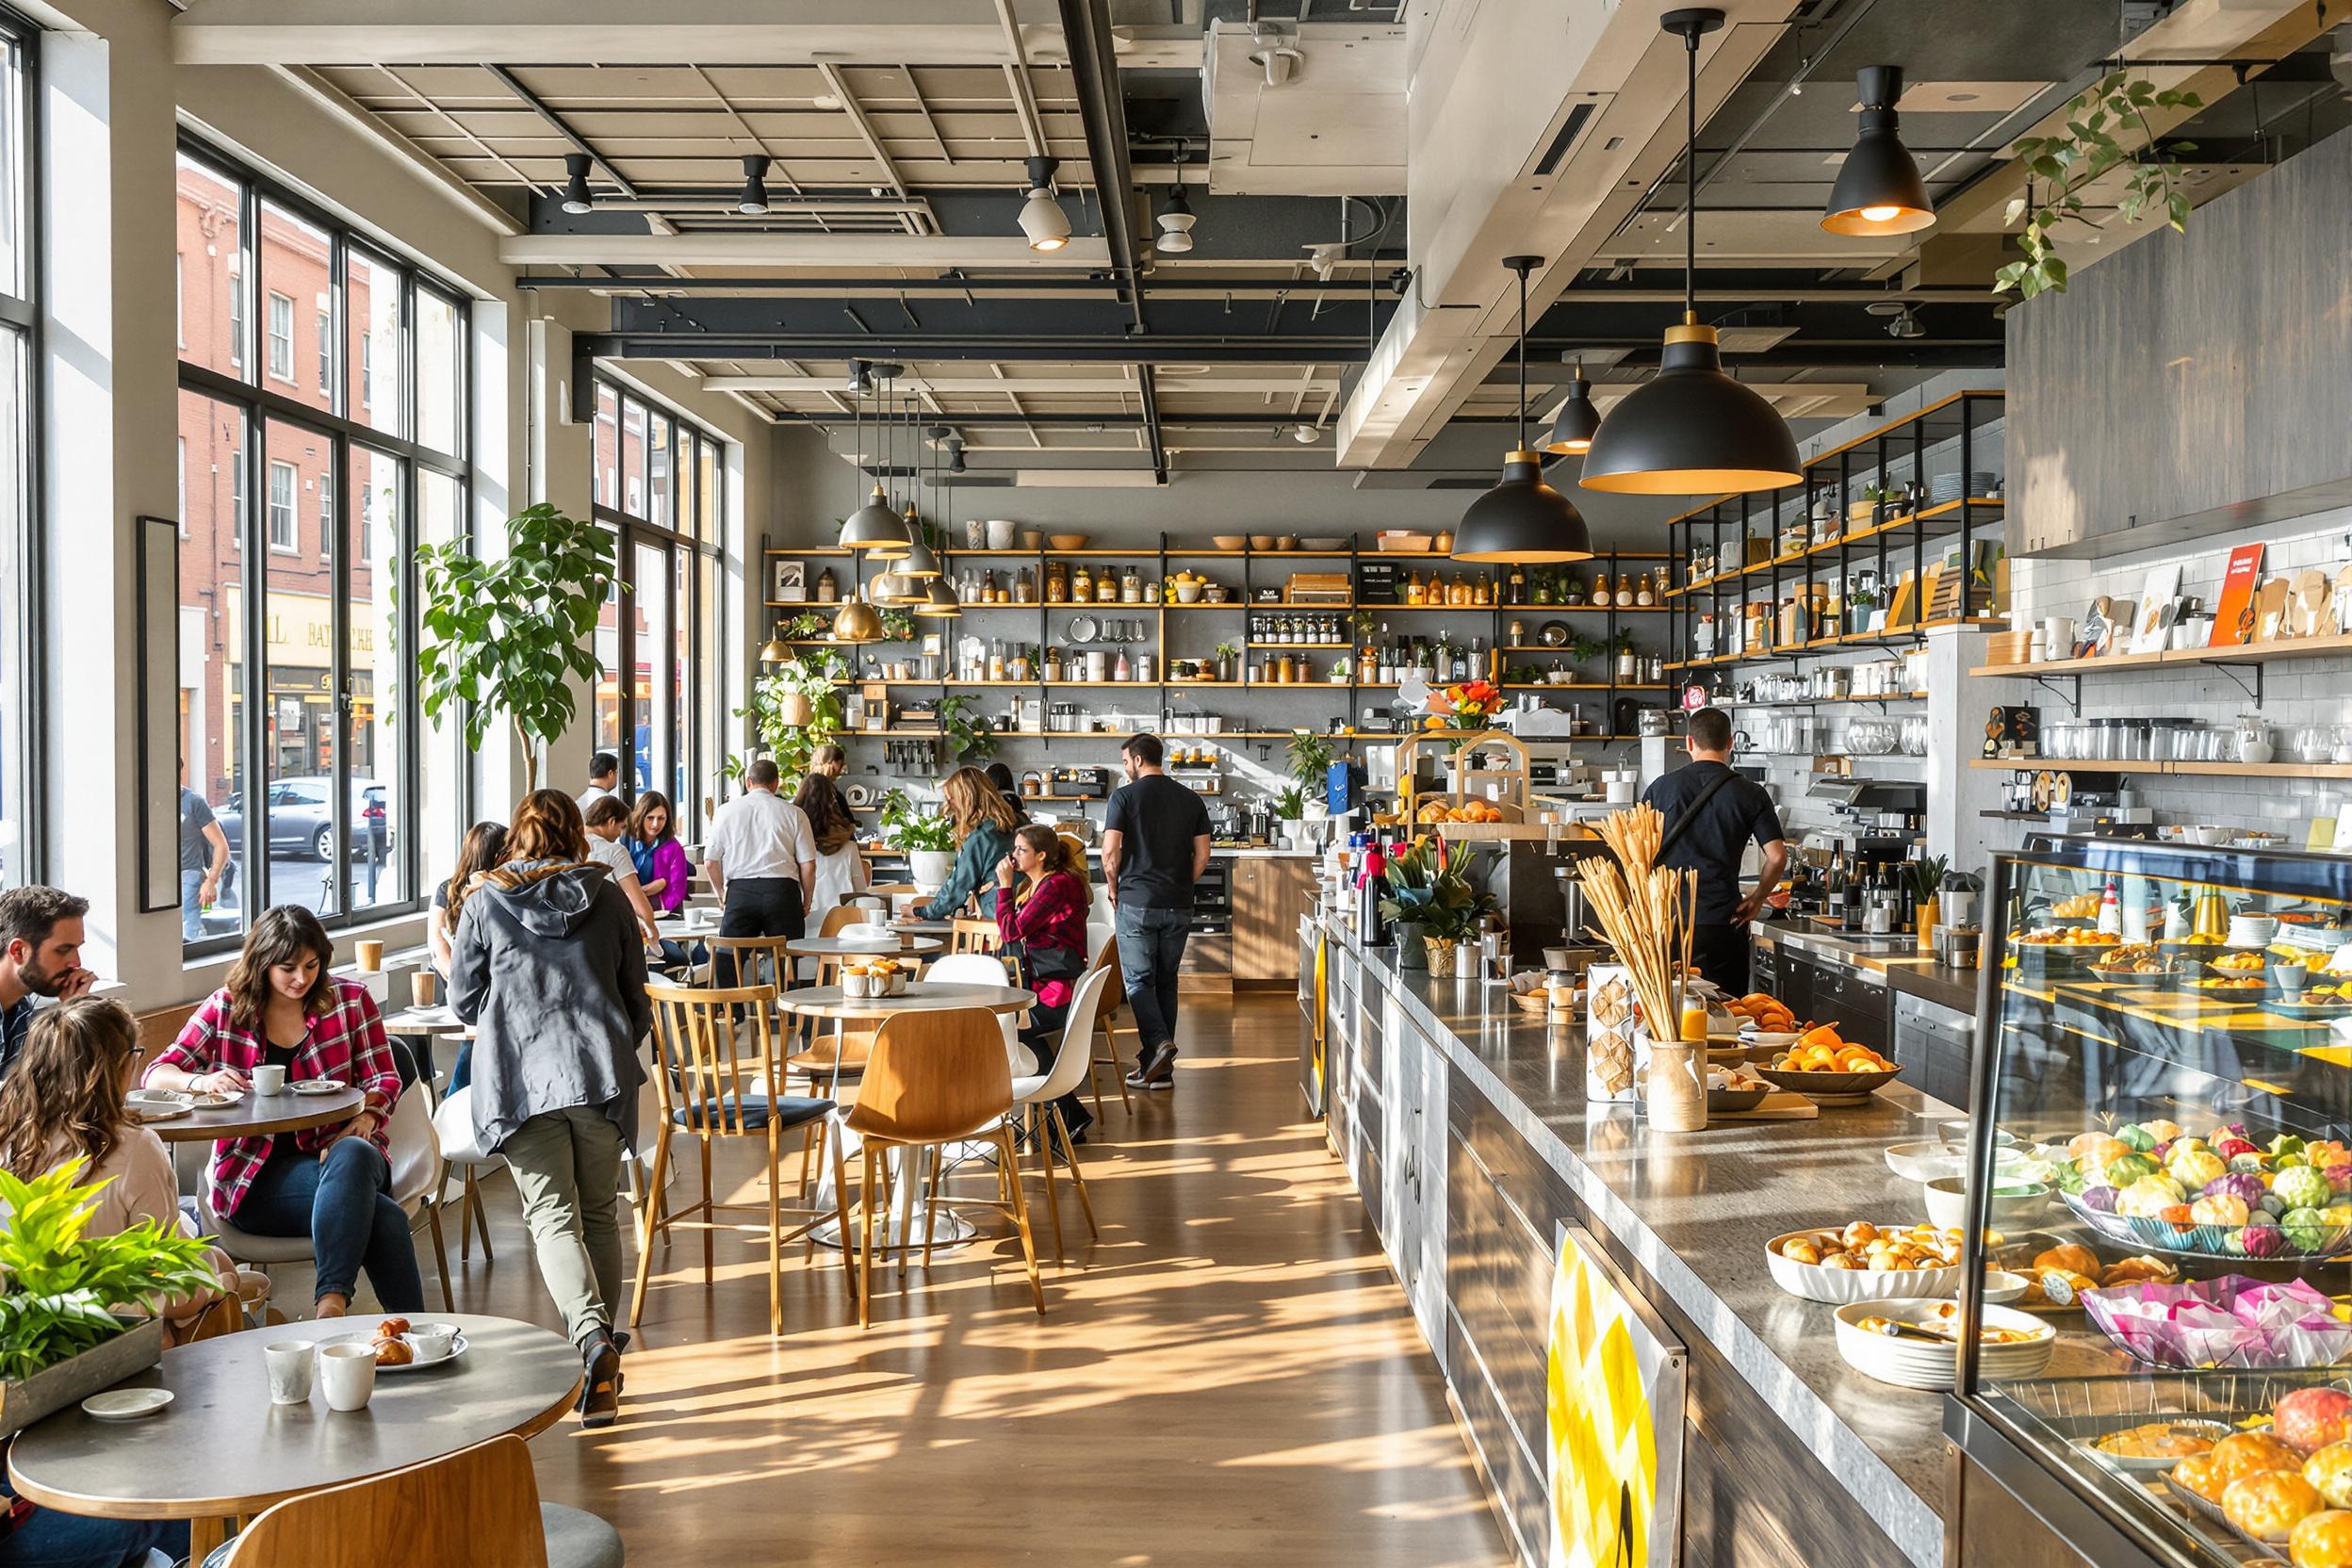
1808	702
2244	653
1853	639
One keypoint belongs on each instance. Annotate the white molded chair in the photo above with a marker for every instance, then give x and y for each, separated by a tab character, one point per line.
419	1174
984	969
1037	1094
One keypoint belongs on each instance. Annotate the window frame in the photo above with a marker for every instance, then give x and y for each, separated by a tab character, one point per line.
343	430
24	768
272	338
702	540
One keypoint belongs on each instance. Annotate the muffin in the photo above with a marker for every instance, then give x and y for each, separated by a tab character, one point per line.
2322	1540
2244	1454
2330	1471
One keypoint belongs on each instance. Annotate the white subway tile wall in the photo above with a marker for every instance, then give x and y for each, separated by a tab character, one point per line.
2297	696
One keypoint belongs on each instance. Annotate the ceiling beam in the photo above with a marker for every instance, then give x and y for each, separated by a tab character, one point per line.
1118	348
1150	418
430	169
850	107
932	252
1094	74
572	139
1040	386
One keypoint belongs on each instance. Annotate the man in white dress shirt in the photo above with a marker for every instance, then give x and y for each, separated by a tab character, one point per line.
761	858
604	778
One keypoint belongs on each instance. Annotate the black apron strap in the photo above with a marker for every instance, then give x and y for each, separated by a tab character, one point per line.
1690	814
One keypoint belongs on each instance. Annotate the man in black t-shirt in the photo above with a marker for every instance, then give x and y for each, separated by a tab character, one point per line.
1156	846
1712	815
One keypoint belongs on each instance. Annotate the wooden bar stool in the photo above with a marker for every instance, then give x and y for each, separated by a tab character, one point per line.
715	1081
935	1078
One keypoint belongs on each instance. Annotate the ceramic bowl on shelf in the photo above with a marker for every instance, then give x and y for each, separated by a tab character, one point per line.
1068	541
1260	541
1924	1162
1228	541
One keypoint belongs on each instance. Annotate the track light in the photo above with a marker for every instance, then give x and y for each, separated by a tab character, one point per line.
1041	217
1279	59
1903	322
1325	258
755	198
1879	190
1175	220
575	197
860	383
1305	436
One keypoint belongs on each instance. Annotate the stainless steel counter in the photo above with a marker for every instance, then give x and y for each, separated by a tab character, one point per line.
1692	1213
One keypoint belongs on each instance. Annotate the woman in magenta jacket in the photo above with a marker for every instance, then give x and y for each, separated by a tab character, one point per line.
661	868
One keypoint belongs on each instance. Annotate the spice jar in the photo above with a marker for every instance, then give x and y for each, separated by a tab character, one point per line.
1081	585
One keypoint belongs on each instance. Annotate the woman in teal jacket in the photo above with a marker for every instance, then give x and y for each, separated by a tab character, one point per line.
984	822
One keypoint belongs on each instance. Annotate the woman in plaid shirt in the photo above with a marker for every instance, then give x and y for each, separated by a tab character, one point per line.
333	1183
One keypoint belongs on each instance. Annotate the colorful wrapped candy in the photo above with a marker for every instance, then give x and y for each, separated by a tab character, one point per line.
2233	1321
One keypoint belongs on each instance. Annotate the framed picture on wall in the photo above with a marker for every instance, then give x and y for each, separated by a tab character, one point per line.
788	582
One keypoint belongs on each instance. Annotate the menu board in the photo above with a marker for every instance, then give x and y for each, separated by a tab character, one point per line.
2234	617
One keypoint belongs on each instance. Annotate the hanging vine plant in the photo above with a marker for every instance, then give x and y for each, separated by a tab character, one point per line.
2088	148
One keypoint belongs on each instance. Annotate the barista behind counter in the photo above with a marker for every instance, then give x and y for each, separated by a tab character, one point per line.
1712	814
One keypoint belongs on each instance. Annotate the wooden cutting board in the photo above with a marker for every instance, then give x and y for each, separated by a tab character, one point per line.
1783	1105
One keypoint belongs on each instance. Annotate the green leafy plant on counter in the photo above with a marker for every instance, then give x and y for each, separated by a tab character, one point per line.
1226	650
795	707
514	635
1290	803
1436	889
1926	877
2088	148
60	1286
971	738
906	825
1310	756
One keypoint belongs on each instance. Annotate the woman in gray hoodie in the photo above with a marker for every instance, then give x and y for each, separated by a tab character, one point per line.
548	967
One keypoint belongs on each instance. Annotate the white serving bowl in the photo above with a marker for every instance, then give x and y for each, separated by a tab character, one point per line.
2002	1287
1769	1039
2015	1205
1924	1162
1915	1363
1839	1285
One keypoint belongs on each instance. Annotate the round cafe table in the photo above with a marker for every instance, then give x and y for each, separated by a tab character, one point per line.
918	927
920	996
835	947
252	1116
220	1451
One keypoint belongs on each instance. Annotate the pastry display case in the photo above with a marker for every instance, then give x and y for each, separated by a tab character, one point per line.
2161	1166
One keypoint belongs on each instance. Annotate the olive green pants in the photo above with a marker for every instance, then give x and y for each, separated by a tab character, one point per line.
567	1166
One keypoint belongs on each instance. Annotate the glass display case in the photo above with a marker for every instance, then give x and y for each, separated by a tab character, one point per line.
2159	1174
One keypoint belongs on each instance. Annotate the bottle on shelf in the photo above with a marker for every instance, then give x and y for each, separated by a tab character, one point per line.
996	658
1517	592
1082	584
1835	890
828	591
1371	889
1122	670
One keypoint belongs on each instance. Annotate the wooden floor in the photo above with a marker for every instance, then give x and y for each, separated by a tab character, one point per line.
1230	1375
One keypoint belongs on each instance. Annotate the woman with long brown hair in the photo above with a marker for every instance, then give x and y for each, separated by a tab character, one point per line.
485	845
282	1009
983	821
661	859
841	868
63	1100
1041	899
551	970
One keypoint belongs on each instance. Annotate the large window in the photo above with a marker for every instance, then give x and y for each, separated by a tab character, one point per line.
662	683
16	445
296	728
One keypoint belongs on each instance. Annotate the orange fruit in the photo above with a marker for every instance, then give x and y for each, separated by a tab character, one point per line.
1825	1034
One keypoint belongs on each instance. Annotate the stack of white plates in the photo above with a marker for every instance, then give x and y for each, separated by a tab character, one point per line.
1909	1362
870	938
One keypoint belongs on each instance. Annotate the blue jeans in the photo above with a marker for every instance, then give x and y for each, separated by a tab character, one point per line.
53	1540
191	904
1151	948
344	1203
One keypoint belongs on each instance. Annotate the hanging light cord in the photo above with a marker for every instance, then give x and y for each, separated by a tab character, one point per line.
1691	178
1522	444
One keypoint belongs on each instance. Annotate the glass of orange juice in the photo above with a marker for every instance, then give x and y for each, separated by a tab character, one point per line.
1694	1022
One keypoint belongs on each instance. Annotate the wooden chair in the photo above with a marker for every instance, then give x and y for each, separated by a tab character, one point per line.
1106	1031
972	934
478	1505
715	1080
749	961
935	1078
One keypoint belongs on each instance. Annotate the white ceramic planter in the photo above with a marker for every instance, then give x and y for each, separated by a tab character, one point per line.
930	866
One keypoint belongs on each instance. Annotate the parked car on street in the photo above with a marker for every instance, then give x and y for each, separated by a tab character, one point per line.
301	818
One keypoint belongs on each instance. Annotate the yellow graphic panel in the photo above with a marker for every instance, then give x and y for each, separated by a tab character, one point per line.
1604	1371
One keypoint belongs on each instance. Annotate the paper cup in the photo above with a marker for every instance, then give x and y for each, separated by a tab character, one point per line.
369	953
348	1373
423	986
290	1362
268	1080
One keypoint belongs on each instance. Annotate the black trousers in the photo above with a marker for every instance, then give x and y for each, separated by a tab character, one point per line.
1721	953
760	907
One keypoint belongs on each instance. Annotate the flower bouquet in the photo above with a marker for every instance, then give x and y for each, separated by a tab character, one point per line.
1466	706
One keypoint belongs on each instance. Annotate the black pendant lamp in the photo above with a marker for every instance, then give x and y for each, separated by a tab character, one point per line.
1574	425
1879	189
1522	519
939	598
1690	430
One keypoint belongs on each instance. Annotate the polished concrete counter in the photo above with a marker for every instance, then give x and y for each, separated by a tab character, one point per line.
1693	1211
1930	981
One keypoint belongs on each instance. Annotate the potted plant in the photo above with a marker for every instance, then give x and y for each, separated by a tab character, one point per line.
795	707
809	626
1309	756
971	738
1434	903
1859	603
923	834
1227	656
1290	809
512	636
76	1308
1926	877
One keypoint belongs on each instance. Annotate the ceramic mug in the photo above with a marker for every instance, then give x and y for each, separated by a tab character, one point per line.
268	1080
348	1373
290	1363
2058	637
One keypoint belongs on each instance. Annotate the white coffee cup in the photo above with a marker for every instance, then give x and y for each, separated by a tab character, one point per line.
431	1340
348	1373
268	1080
2057	637
289	1361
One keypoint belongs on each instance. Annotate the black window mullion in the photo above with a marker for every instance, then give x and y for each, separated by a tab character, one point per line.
339	673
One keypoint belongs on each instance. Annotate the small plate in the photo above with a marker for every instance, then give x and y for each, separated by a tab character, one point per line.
1553	634
210	1101
126	1404
318	1085
143	1111
158	1098
458	1347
